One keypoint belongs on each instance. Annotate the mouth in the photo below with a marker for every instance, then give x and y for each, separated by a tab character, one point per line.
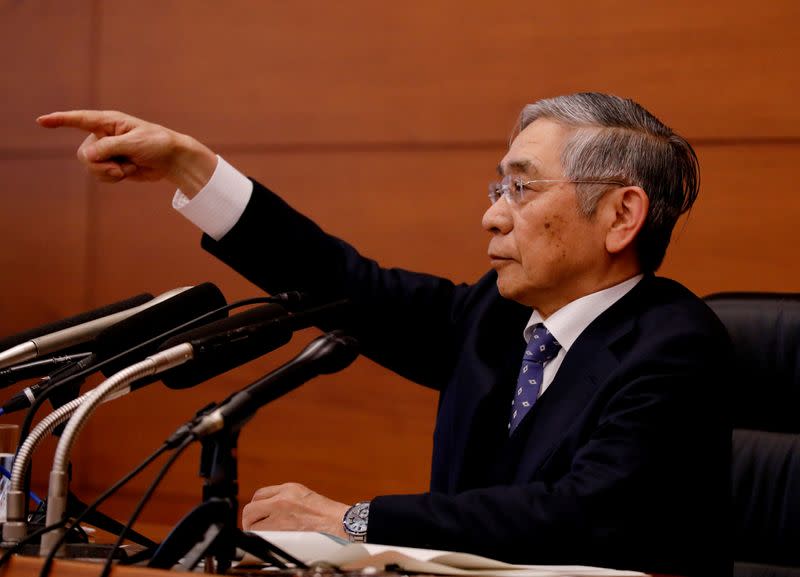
497	259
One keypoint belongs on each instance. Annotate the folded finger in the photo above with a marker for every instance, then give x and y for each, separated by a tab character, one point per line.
106	171
253	513
266	492
108	148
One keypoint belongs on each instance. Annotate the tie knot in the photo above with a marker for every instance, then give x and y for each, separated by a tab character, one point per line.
542	346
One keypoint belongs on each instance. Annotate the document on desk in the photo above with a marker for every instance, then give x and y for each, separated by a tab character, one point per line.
312	547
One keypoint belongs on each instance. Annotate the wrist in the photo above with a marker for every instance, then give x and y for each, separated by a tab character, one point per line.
193	165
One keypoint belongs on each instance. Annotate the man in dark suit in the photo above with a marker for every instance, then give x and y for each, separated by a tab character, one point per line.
582	414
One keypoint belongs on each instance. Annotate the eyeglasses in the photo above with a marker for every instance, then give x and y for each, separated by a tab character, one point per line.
513	188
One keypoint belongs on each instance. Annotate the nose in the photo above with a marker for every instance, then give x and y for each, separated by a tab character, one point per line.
497	218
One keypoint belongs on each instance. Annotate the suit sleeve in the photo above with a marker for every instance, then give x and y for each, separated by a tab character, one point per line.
403	320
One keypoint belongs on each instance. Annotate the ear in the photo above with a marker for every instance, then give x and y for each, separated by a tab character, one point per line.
627	207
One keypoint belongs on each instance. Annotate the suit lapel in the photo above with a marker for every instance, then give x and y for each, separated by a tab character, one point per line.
583	372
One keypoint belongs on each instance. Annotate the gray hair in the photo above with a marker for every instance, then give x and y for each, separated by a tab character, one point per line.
616	139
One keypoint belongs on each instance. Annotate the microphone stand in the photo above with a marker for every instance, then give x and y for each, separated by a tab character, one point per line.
210	531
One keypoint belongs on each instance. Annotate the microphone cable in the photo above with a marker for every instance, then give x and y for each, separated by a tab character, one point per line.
140	505
48	562
34	497
102	498
290	297
29	370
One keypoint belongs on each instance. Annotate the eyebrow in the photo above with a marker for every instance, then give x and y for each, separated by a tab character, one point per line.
522	165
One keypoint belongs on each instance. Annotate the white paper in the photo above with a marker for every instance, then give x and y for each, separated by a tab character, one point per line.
312	547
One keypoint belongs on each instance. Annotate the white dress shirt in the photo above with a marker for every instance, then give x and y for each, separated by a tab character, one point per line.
568	322
219	204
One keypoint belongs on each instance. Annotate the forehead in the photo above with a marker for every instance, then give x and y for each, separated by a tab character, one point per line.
536	151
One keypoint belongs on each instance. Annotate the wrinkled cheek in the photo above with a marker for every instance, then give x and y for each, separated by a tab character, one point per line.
552	234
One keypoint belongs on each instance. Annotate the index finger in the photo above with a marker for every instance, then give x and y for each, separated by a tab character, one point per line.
89	120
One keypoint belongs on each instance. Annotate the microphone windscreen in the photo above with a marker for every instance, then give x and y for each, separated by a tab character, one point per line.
226	344
129	303
154	321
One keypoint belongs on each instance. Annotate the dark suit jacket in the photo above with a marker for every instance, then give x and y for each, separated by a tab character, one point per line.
624	461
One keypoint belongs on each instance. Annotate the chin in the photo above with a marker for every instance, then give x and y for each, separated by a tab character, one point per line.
508	290
515	291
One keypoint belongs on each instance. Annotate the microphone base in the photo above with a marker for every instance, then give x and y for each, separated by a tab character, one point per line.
72	549
77	551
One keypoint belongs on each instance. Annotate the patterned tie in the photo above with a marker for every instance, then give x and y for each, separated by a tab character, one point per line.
541	348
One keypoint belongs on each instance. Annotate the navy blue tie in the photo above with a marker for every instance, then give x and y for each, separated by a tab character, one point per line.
541	348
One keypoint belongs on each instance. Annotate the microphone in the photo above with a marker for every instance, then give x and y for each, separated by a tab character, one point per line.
221	348
123	336
326	354
16	373
19	338
74	335
27	396
171	313
121	339
203	361
225	344
213	360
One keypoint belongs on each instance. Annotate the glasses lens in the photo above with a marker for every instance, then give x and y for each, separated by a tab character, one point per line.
495	192
517	190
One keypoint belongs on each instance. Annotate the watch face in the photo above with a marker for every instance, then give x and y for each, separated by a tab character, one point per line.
356	520
357	525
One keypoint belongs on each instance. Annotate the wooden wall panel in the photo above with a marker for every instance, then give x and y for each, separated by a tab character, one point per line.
383	122
442	71
43	253
45	56
742	233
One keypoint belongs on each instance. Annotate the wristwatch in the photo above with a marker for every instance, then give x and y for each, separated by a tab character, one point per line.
355	522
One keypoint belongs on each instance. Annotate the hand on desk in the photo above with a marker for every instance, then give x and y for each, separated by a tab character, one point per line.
293	507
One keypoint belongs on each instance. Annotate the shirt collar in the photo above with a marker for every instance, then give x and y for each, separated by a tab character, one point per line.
568	322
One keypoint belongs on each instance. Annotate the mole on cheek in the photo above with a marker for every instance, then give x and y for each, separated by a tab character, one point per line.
547	225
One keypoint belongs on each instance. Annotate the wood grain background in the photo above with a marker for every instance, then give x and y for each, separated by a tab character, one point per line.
383	121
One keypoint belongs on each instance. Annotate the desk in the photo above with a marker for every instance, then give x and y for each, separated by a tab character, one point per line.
31	566
19	566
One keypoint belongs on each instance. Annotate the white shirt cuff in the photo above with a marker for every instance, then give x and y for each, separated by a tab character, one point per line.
219	204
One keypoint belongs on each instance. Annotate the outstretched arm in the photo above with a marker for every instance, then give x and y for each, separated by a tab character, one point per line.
123	147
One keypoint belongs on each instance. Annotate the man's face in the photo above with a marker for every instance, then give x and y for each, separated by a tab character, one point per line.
545	252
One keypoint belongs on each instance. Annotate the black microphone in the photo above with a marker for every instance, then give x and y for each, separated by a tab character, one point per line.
219	348
226	344
150	323
326	354
123	337
19	338
72	336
